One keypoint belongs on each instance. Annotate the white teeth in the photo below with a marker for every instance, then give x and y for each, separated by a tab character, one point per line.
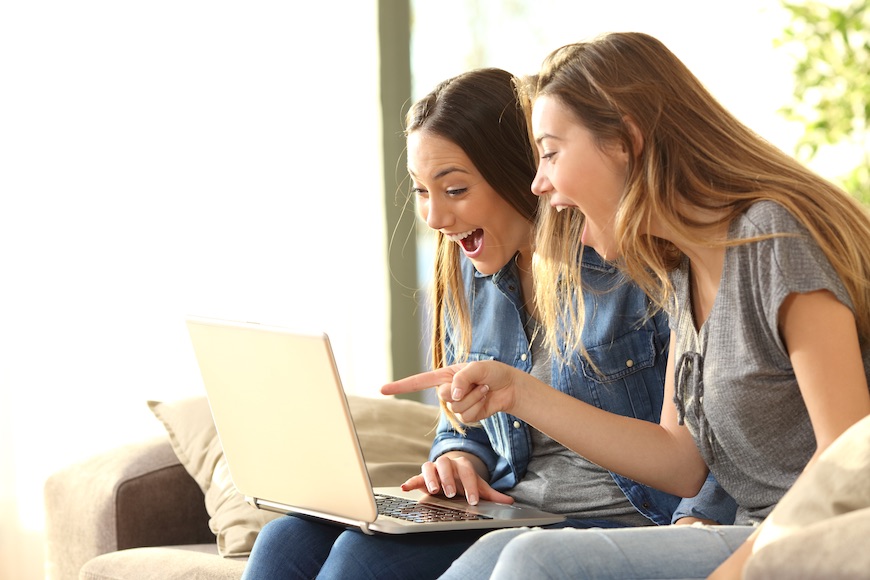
457	237
559	208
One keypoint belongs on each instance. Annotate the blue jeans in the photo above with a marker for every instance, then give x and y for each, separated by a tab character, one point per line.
294	547
630	553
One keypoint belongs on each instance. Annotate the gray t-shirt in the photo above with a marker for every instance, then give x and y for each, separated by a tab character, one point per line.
735	386
561	481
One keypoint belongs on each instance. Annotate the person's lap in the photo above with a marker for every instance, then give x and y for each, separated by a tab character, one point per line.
290	547
294	547
646	552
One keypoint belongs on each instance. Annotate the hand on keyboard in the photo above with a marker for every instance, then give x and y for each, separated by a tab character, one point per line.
455	473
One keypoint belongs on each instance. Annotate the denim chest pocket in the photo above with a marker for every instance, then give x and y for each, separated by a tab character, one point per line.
624	356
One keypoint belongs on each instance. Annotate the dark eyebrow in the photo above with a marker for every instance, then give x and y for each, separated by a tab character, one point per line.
448	171
443	173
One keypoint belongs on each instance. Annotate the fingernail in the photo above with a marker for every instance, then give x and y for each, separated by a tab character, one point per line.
432	487
472	499
456	394
449	491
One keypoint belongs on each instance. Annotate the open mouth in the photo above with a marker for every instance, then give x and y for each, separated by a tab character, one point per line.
471	241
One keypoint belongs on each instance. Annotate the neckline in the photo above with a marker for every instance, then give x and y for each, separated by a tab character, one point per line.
701	330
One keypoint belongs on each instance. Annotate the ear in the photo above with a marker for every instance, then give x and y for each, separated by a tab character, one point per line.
636	136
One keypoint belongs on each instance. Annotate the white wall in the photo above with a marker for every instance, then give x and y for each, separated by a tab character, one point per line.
166	158
728	45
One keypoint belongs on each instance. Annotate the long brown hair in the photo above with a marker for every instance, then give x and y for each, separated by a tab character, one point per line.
479	111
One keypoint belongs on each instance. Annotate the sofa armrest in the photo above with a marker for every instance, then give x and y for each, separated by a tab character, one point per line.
137	495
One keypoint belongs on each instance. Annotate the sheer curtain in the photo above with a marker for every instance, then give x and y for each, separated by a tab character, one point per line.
166	158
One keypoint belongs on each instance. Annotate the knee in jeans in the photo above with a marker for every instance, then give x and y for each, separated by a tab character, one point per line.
523	555
501	537
274	530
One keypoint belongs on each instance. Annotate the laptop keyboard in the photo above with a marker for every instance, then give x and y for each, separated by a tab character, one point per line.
414	511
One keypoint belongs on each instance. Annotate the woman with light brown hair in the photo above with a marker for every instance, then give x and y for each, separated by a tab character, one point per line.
763	268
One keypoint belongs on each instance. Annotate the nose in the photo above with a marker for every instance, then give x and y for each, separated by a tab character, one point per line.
541	184
436	212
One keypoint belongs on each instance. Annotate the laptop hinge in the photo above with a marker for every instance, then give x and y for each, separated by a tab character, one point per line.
262	504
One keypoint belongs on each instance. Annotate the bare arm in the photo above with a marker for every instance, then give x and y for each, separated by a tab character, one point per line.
822	342
663	456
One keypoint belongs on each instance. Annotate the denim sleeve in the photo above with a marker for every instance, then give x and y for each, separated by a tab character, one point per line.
711	503
475	441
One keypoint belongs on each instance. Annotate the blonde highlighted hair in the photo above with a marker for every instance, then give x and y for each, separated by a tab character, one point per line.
694	154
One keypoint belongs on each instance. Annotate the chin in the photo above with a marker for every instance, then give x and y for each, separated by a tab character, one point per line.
486	268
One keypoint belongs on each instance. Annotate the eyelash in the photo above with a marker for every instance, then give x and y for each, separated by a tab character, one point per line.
548	155
420	192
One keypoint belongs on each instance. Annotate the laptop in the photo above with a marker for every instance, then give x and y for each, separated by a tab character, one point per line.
290	443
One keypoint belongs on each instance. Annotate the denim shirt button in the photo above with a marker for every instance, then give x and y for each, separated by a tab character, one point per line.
629	363
523	357
516	424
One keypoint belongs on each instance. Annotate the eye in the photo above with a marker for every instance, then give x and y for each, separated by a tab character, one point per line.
419	192
456	192
548	155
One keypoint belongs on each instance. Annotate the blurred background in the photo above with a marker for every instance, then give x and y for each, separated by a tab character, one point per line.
244	161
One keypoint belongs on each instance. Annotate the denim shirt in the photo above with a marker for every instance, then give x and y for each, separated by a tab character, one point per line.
628	347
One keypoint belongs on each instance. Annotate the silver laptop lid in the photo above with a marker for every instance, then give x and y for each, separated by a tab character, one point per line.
282	417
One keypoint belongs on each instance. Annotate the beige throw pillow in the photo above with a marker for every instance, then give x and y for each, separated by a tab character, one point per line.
820	528
395	436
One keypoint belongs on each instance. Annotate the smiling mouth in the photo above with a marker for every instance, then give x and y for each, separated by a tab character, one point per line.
469	240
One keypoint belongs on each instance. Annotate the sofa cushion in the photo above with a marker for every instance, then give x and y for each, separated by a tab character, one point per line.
395	437
819	529
163	563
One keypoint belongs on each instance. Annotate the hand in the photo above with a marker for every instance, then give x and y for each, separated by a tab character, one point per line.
732	567
689	520
473	391
453	473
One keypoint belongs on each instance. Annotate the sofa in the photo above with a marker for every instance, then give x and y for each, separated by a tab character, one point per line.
166	507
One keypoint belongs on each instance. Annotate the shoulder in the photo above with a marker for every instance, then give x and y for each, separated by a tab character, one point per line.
764	218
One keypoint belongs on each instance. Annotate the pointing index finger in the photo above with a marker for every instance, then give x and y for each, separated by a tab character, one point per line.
419	382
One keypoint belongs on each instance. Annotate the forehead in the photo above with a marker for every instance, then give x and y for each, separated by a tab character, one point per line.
547	110
429	154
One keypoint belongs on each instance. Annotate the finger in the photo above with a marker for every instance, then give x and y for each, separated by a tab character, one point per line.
430	475
471	412
445	391
444	465
470	481
420	382
416	482
471	376
489	494
473	399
